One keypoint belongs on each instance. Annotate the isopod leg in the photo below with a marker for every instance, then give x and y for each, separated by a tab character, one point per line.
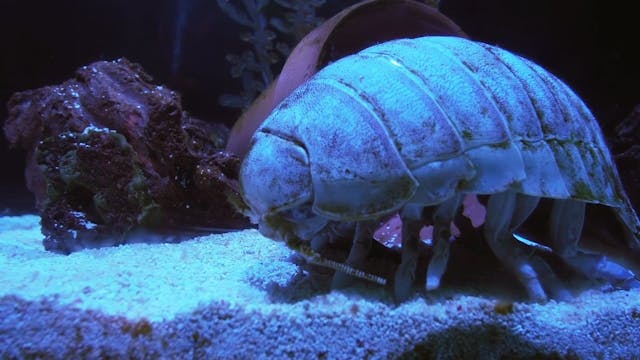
358	253
567	219
442	219
411	216
505	212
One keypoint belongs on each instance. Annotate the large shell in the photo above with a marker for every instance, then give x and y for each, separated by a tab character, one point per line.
419	120
355	28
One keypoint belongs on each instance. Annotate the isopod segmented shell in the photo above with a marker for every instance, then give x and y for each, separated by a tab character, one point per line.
417	120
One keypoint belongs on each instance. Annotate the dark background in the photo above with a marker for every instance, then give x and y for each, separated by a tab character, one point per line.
588	44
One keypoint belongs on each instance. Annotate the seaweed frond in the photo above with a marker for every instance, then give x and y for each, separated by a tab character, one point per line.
253	66
271	32
299	18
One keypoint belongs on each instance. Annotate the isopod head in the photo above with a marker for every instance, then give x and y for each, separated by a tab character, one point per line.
287	167
276	185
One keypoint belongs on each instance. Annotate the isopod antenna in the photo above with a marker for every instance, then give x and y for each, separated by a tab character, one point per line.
313	257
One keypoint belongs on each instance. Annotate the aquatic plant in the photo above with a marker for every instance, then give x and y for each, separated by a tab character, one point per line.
270	31
299	20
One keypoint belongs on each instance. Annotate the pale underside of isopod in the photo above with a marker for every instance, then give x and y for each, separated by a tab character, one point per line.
420	122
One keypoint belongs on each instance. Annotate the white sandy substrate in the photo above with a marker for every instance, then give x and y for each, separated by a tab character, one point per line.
238	296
